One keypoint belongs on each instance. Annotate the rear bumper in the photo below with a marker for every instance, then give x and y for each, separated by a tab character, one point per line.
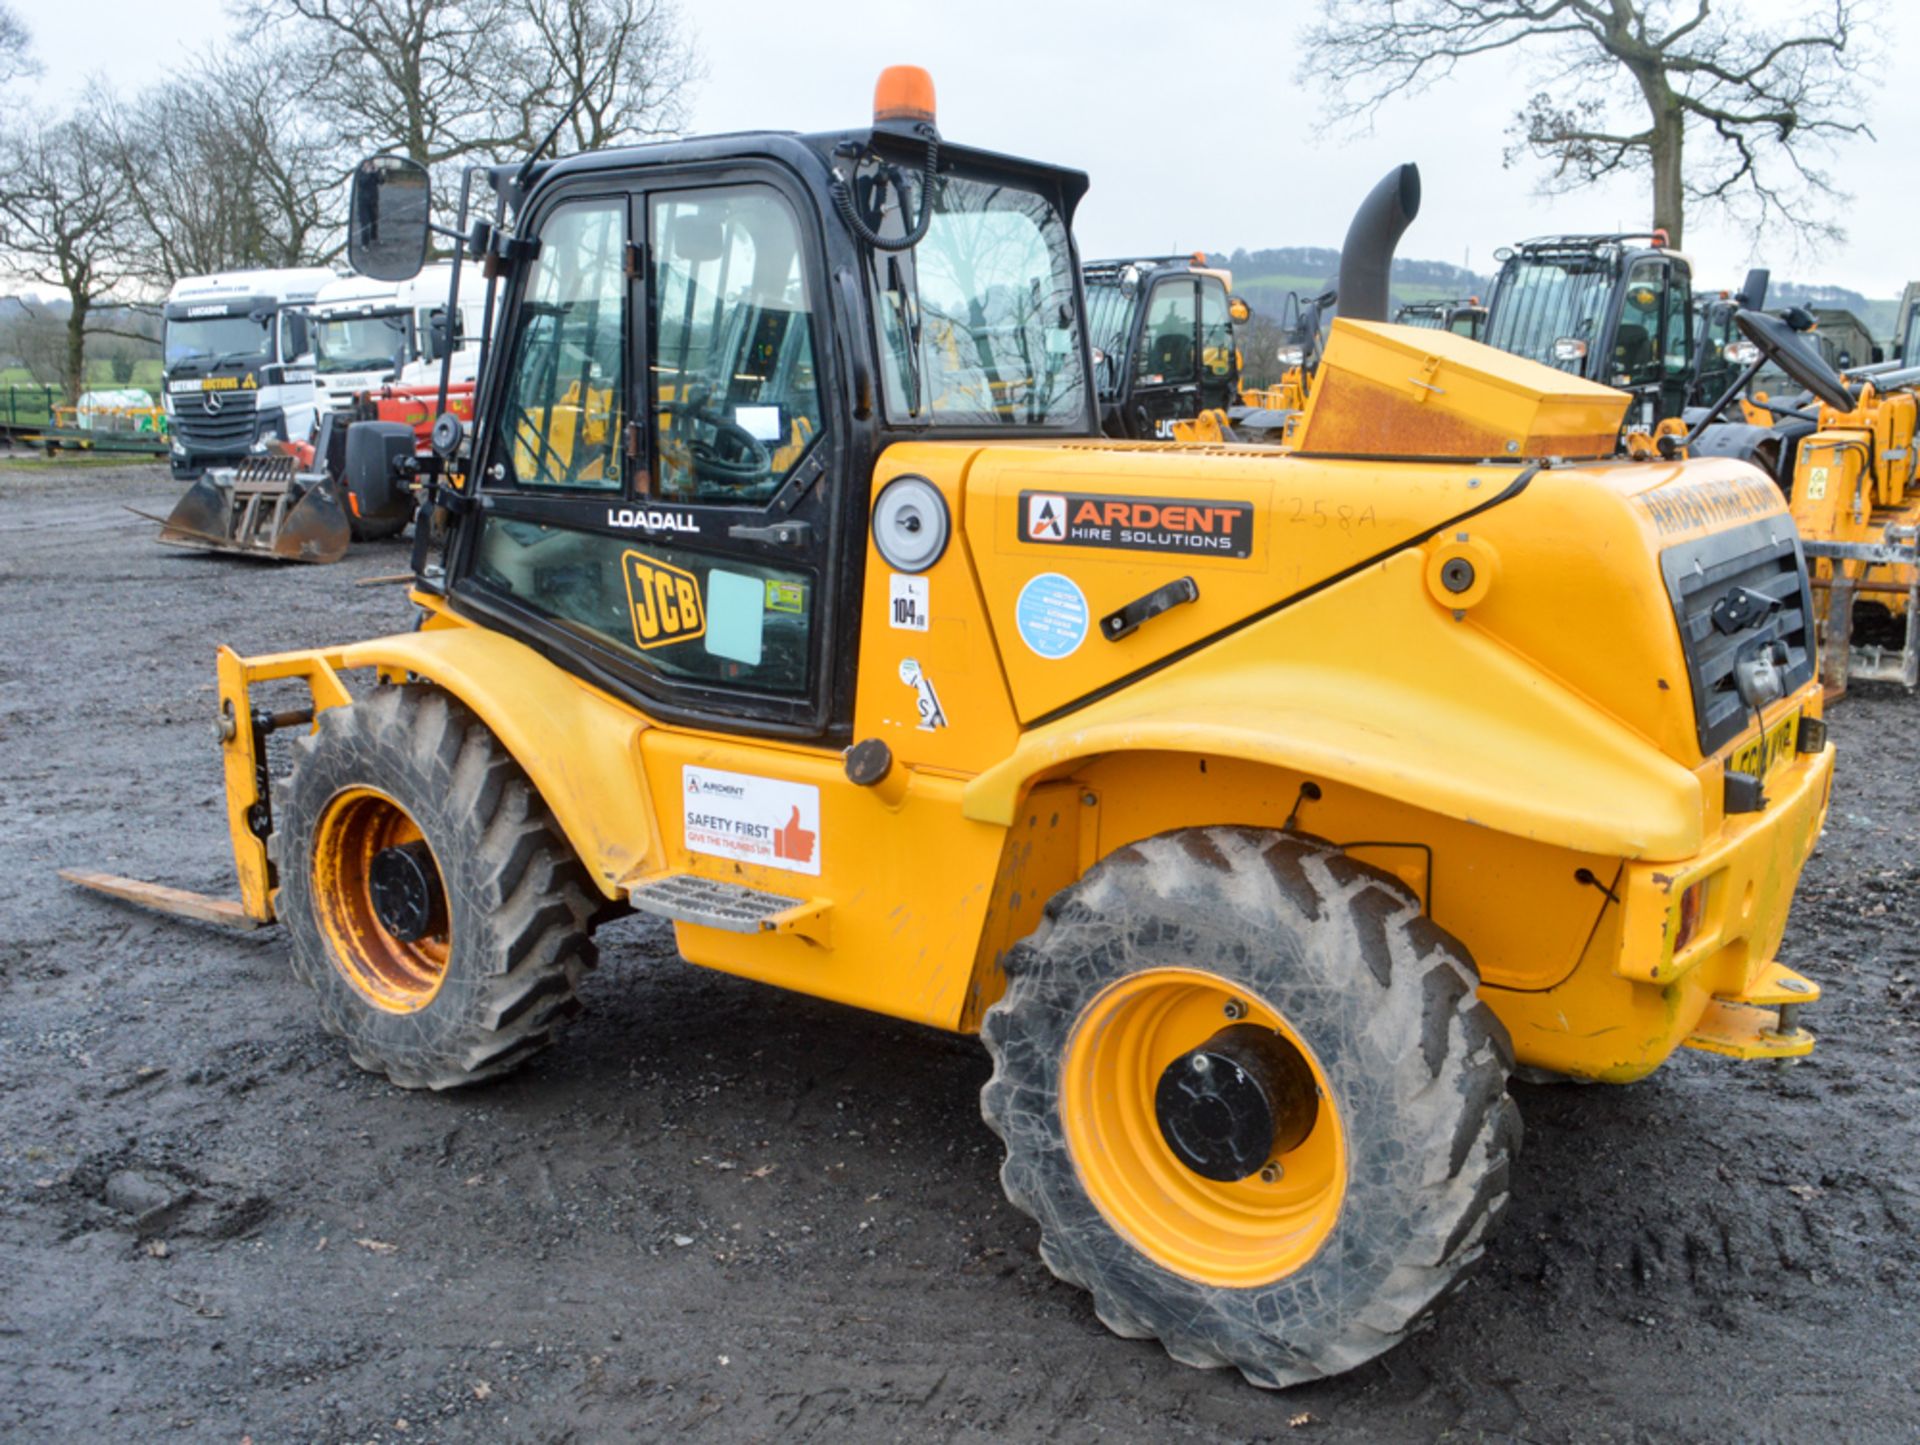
1635	998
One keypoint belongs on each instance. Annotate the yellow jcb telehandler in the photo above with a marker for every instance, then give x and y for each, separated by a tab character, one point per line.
1259	808
1855	495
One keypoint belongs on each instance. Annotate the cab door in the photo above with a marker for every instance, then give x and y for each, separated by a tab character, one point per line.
1219	370
656	494
1653	339
1166	359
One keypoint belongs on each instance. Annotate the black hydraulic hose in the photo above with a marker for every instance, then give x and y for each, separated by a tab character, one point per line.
841	189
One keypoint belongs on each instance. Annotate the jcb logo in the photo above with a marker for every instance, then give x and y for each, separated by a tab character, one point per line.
664	600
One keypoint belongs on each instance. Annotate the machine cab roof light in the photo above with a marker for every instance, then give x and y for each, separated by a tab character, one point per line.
903	96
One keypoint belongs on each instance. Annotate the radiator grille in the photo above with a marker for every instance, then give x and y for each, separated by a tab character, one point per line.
1763	557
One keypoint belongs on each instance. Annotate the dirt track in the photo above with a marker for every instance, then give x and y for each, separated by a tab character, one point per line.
723	1210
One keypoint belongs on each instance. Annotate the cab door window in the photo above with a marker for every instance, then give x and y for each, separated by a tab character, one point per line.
1166	356
1216	343
566	398
1650	336
736	395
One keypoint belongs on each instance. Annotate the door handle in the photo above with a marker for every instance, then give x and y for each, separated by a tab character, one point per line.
782	534
1116	625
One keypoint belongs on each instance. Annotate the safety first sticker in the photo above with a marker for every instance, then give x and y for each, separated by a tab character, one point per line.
1137	524
752	820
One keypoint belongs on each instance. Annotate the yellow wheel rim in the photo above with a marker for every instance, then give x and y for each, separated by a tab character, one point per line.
1238	1234
393	975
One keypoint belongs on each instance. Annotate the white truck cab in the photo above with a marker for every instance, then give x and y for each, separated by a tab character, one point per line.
239	363
369	333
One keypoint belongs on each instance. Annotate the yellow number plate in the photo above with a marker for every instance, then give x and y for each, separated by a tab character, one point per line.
1761	755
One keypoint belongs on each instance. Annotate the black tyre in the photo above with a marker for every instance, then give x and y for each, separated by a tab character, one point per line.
1341	1043
434	906
377	529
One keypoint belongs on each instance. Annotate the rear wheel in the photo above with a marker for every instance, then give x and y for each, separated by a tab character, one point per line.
1248	1093
433	904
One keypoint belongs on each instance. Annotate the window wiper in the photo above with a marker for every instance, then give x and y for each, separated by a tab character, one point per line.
908	315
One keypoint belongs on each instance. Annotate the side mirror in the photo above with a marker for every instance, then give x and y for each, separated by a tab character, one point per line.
379	465
1239	310
388	218
295	339
441	337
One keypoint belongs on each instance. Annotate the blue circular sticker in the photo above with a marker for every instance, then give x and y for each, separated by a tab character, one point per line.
1051	615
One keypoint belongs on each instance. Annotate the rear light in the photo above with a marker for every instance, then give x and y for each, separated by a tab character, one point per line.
1691	910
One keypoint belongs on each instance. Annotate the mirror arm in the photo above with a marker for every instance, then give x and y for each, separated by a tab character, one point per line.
1741	383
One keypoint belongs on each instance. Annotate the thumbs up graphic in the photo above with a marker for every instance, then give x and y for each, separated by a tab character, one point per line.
794	842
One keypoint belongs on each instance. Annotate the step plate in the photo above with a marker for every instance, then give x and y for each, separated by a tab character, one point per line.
689	898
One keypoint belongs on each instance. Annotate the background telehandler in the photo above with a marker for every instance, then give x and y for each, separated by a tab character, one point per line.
1164	346
1259	807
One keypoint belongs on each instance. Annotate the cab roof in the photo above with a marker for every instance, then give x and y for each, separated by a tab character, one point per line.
810	155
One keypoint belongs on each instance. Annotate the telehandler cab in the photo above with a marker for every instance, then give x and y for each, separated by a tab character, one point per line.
1162	333
1259	807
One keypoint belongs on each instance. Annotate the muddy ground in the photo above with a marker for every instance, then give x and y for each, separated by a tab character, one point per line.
721	1210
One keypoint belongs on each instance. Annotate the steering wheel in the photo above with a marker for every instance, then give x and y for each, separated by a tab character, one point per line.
1783	346
751	461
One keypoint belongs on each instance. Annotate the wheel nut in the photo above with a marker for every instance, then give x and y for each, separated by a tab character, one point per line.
1271	1172
1201	1063
1235	1009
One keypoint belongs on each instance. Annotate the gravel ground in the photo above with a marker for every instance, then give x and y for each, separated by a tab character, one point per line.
721	1210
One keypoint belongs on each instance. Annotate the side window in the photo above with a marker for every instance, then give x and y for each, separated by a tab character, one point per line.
1216	330
678	614
567	379
1166	345
736	395
1676	351
1638	345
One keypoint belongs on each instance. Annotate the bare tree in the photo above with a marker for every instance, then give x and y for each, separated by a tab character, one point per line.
447	82
624	59
16	47
63	219
1726	110
226	168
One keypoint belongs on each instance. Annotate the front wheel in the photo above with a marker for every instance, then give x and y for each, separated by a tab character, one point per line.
1247	1091
433	904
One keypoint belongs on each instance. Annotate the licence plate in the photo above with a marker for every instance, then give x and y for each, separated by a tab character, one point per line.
1760	756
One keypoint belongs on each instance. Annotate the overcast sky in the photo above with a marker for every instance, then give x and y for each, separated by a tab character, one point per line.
1195	134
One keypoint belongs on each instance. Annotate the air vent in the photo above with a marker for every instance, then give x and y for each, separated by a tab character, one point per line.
1732	571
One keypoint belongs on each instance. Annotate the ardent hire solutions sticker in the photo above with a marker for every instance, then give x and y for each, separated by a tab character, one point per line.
1137	524
1051	615
753	820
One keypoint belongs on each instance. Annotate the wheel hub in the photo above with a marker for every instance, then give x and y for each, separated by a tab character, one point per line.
1243	1098
405	887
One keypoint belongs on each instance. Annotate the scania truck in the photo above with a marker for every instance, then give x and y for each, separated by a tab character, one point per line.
369	333
239	363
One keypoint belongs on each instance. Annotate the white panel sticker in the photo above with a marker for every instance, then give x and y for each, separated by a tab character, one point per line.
762	423
909	598
752	820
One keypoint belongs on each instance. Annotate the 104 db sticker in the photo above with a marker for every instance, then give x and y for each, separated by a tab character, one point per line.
752	820
1137	524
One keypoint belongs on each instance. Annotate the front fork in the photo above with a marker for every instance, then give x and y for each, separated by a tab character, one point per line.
243	730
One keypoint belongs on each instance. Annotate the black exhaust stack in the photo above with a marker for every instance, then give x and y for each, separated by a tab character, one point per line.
1366	258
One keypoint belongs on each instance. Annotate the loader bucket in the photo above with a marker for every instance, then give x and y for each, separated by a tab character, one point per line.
262	508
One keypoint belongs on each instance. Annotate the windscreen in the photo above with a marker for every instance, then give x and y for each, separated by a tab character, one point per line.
206	340
360	343
978	325
1543	300
1910	343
